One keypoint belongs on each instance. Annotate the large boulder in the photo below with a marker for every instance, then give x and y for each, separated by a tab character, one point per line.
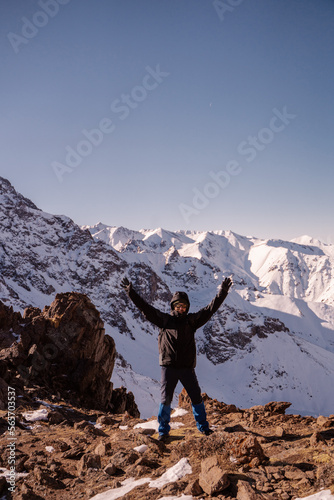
63	348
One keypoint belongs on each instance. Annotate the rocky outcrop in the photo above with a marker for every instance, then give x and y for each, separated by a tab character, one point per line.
62	349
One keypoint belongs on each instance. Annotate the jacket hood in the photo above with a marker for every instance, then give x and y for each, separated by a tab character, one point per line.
182	296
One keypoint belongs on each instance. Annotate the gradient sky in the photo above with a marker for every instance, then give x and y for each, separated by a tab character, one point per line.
185	94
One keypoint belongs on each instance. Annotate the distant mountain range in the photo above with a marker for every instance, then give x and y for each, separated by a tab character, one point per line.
272	339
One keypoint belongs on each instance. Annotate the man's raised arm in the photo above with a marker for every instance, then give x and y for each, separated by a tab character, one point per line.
203	315
152	314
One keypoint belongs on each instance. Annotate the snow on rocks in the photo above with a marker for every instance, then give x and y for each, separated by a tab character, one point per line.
179	470
179	412
141	449
34	416
322	495
150	424
154	424
182	497
127	486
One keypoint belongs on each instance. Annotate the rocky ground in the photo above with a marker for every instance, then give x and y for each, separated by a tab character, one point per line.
77	453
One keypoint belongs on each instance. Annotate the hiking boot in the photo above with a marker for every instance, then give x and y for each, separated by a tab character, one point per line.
163	437
208	432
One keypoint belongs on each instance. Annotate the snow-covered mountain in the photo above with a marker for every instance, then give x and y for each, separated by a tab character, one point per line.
273	338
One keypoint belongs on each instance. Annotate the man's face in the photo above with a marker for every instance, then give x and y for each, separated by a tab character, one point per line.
180	308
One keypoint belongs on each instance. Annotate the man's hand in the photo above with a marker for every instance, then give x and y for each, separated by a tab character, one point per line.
125	284
226	285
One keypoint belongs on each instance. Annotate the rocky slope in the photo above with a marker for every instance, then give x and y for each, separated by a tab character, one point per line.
70	452
273	338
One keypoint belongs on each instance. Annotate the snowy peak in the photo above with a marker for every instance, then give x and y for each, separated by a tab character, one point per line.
43	254
295	270
301	268
116	237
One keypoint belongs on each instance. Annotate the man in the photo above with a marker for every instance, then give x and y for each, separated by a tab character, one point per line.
177	350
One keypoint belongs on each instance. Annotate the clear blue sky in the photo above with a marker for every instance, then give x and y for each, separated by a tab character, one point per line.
213	115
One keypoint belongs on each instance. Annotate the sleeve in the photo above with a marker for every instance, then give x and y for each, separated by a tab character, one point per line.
152	314
203	315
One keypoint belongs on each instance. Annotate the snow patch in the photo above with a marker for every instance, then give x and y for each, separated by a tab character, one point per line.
141	449
34	416
322	495
154	424
179	412
179	470
127	486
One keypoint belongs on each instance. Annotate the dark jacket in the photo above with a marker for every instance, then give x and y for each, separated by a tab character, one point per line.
177	332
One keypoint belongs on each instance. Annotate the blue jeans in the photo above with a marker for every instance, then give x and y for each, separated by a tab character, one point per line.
169	378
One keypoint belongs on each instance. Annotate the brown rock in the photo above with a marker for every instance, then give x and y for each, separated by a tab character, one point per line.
303	483
74	453
105	420
184	402
279	431
193	489
3	394
27	493
82	424
317	438
124	458
55	418
87	461
110	469
3	482
124	402
103	449
64	348
212	478
60	445
324	422
245	449
235	428
293	473
44	477
21	459
277	407
147	432
246	492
